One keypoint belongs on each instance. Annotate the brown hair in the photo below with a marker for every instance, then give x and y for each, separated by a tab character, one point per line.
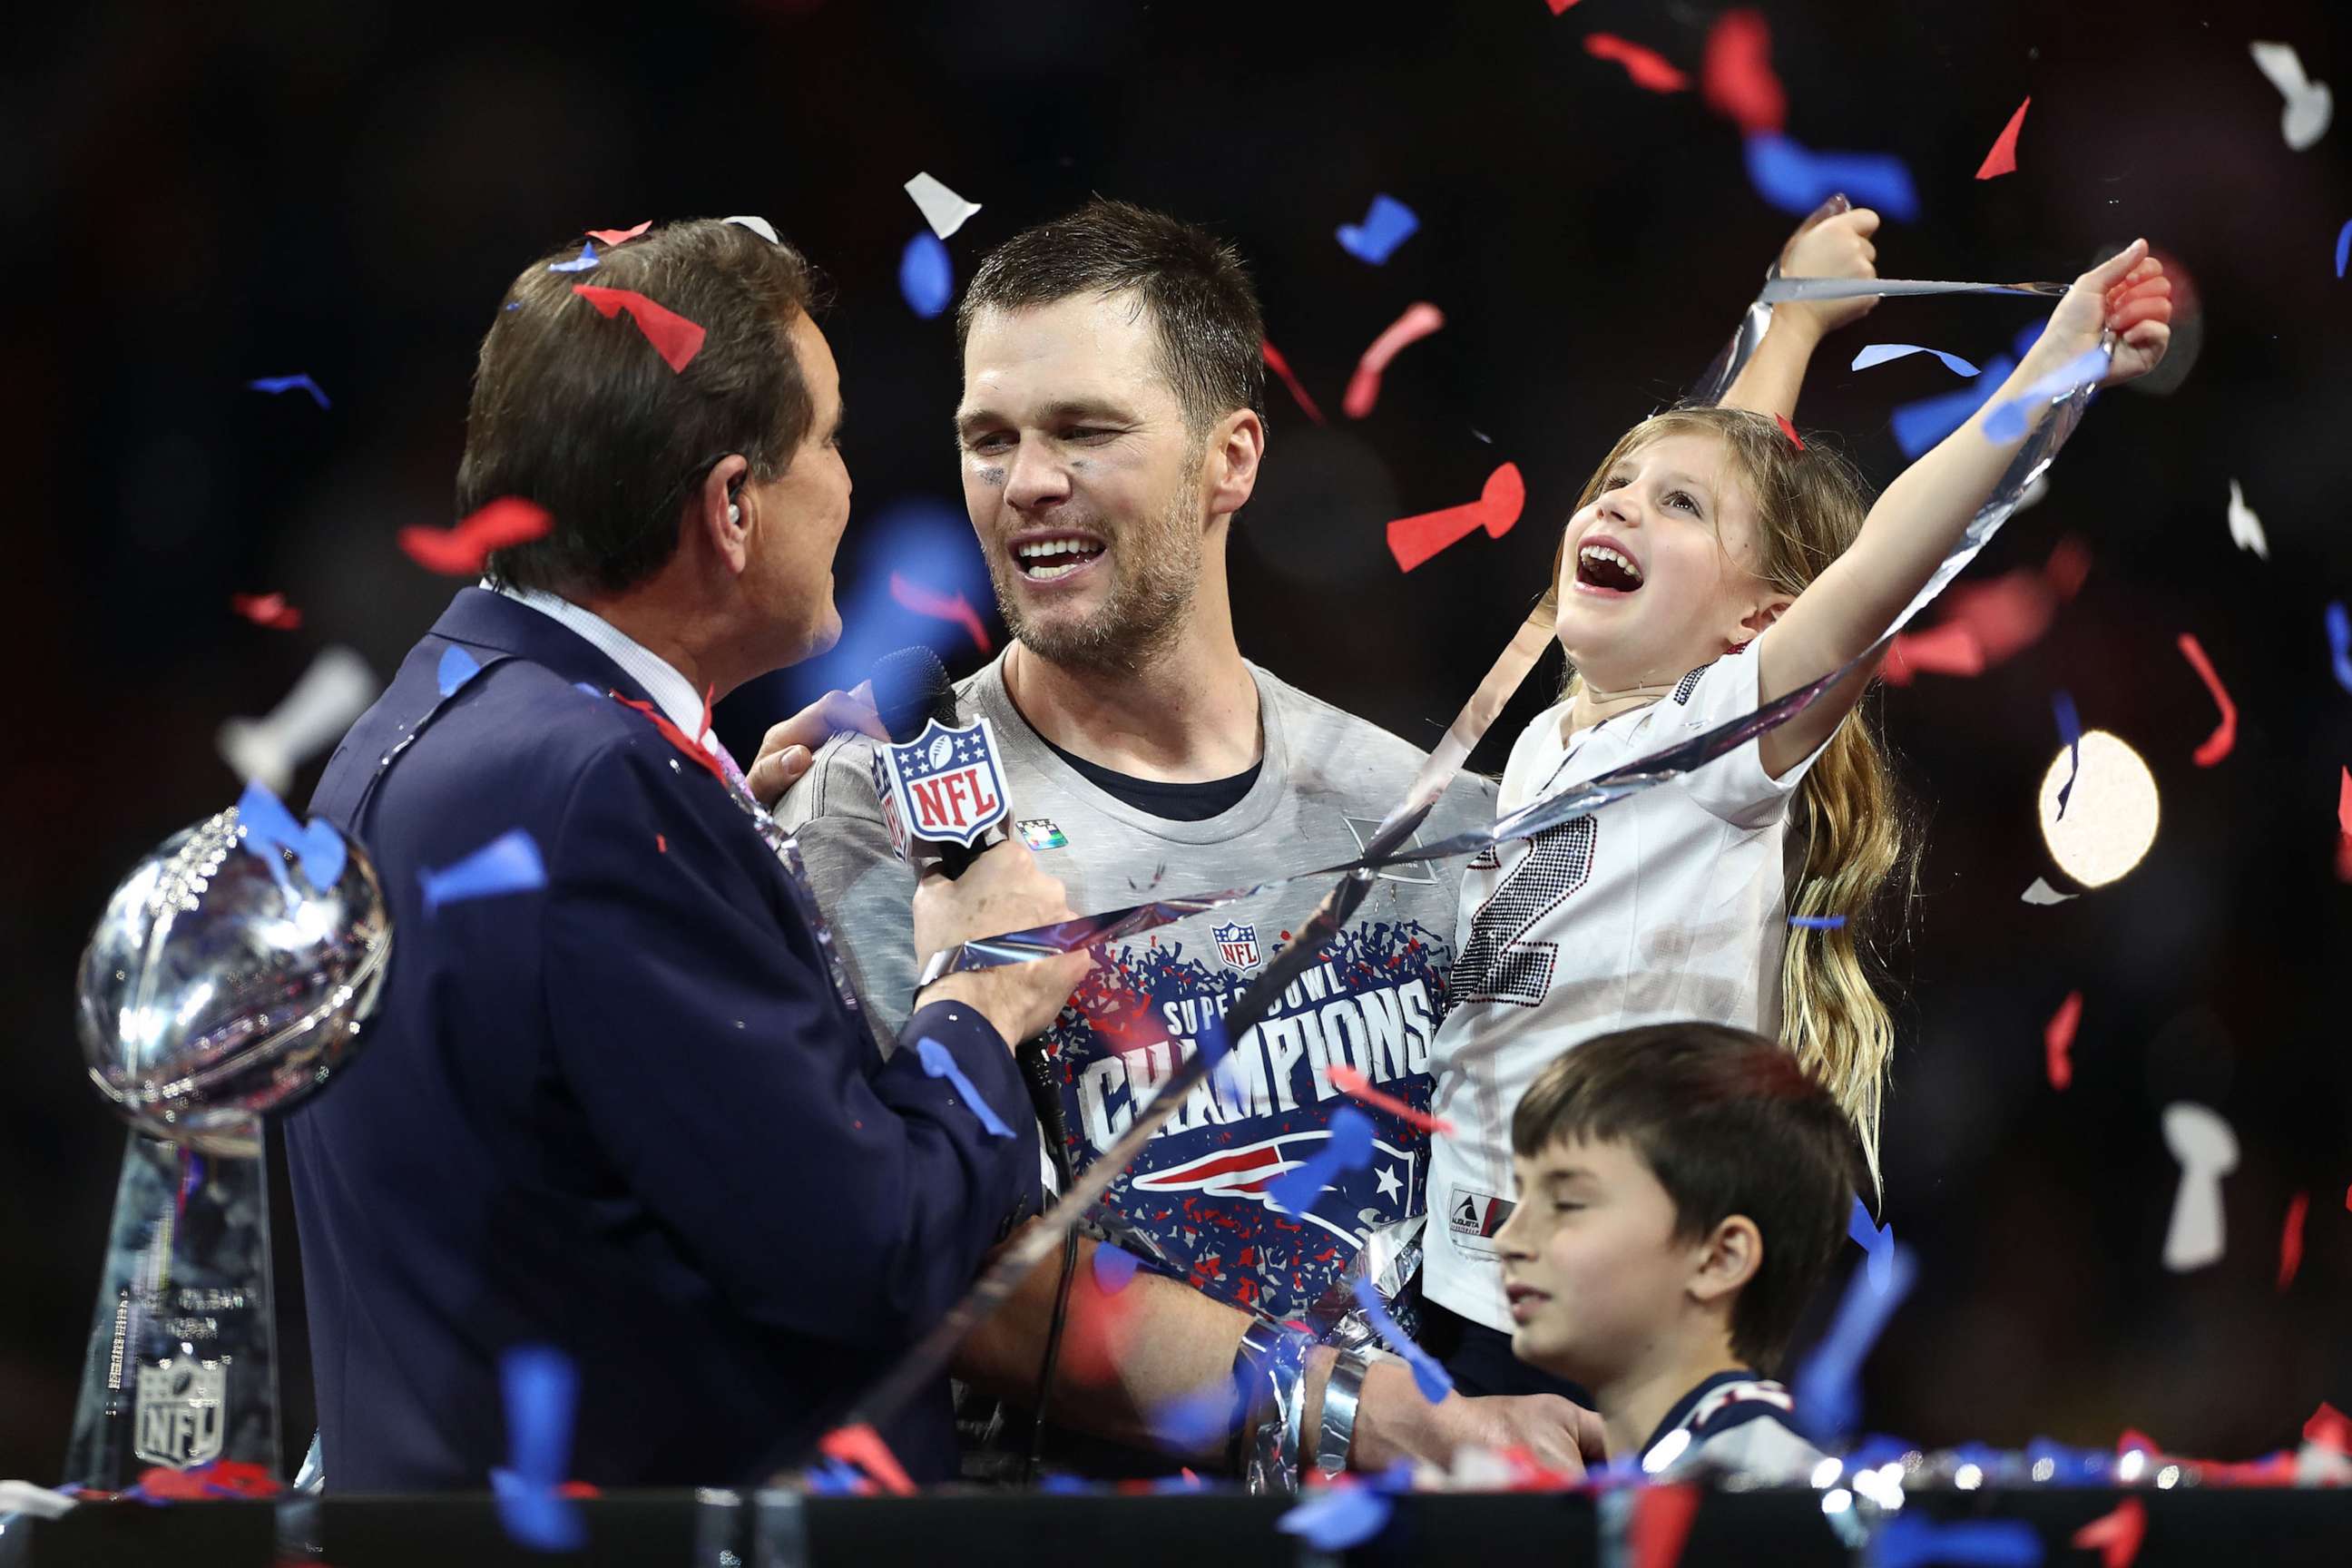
575	411
1729	1124
1203	310
1849	819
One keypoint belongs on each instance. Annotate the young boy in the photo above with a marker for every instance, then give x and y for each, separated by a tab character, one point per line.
1684	1188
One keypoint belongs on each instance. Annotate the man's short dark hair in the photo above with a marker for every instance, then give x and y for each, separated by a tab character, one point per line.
1730	1123
575	411
1211	339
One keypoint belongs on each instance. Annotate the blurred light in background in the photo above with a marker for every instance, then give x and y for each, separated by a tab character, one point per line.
2111	812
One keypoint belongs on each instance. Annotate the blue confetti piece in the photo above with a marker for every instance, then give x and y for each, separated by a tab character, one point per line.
1829	1397
1919	425
276	383
1879	354
596	693
511	305
1115	1268
316	848
1212	1041
1796	179
579	263
1389	225
458	666
926	275
2339	643
540	1388
506	864
2070	734
2343	247
1059	1485
1878	1241
1817	922
1336	1518
937	1062
835	1478
1429	1375
1911	1541
1350	1148
2007	422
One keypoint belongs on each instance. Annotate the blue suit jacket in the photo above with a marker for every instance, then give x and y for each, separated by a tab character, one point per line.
625	1115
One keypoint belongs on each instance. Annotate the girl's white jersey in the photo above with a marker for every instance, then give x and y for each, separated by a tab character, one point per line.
1664	907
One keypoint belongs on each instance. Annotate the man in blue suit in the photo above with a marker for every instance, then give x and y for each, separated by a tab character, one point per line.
623	1107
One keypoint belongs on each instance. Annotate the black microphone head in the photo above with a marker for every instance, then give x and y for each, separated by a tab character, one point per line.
912	686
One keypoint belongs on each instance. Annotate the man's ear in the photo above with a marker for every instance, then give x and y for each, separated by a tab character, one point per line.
1728	1259
1235	447
719	513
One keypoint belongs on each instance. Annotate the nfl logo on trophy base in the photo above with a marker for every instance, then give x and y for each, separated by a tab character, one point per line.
179	1414
943	786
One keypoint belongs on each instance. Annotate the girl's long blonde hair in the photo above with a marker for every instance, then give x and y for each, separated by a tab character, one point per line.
1849	821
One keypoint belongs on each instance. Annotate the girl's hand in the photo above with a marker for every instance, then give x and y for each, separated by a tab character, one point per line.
1837	245
2129	295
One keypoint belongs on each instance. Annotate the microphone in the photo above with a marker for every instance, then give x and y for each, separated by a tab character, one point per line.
911	689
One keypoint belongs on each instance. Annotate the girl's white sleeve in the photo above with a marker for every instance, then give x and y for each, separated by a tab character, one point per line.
1734	786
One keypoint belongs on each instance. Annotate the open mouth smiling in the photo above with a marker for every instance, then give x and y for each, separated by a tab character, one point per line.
1051	557
1606	569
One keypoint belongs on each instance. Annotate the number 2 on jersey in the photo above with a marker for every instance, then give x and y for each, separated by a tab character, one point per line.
1498	964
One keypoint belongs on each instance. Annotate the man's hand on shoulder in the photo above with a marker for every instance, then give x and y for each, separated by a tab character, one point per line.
1004	889
787	749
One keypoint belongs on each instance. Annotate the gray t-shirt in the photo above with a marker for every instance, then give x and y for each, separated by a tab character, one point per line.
1197	1194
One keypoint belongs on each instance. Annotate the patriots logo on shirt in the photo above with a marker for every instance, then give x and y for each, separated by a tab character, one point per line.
1237	946
946	783
1247	1172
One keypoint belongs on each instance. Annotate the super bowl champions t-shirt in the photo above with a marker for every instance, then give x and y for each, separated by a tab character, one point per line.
1197	1195
1664	907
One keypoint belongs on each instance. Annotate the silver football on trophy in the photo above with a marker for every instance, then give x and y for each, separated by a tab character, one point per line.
231	973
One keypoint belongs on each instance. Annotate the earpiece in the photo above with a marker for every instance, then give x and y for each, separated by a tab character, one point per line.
734	512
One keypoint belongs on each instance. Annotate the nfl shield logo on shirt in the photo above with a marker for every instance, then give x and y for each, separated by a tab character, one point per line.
947	784
179	1412
1237	945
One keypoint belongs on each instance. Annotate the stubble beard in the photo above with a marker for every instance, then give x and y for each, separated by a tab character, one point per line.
1156	577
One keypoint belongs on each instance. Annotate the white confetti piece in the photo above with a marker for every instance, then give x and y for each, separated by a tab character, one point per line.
758	226
2207	1150
2245	527
943	209
333	691
2042	892
2309	104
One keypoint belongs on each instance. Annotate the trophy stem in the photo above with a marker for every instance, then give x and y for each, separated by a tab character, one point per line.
182	1368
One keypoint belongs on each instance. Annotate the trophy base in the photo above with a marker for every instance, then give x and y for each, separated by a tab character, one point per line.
181	1369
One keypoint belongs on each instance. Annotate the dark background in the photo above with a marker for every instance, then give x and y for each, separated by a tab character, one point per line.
202	196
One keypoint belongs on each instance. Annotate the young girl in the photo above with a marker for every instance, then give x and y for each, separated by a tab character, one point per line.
1712	565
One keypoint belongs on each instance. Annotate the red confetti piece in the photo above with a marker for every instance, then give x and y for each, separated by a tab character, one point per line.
1413	540
1357	1087
1281	367
2002	159
2329	1427
269	610
1790	431
661	842
2217	745
1736	77
2344	836
2117	1535
1418	322
675	736
942	607
2058	1040
1949	648
612	237
1989	623
460	552
1661	1524
2291	1239
1559	7
1649	69
862	1446
675	338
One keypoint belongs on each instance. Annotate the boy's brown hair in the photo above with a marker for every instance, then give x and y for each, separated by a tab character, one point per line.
1729	1124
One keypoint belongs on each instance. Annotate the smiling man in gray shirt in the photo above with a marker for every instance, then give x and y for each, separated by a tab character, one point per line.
1111	425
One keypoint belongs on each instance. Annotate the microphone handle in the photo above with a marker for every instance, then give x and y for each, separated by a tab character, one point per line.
952	859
